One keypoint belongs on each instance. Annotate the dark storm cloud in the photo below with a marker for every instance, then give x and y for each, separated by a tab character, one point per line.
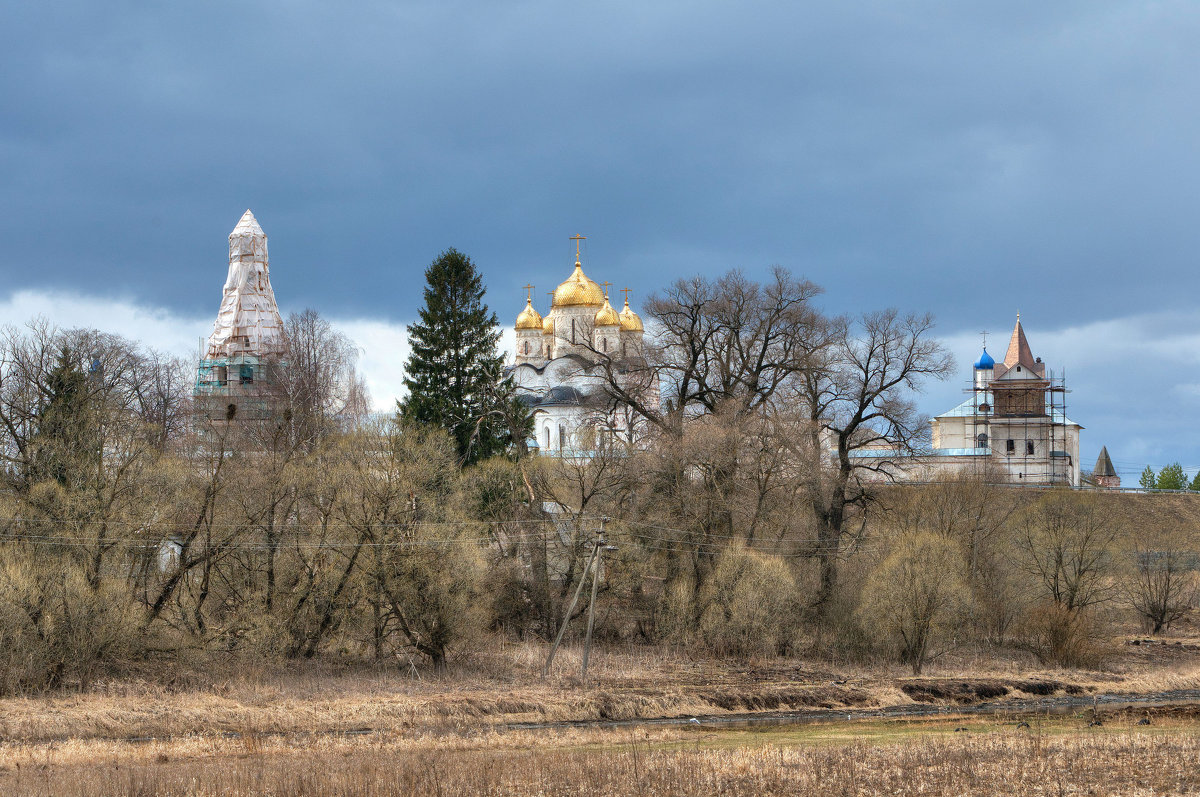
970	159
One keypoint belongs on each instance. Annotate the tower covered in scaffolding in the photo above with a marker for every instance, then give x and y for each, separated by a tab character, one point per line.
241	361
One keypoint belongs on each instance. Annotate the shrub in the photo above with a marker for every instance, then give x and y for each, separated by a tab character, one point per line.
915	599
748	605
1061	636
55	629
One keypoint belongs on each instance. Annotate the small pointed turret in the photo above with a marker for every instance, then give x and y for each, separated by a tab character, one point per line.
1104	474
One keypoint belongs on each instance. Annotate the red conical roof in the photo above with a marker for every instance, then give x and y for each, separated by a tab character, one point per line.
1018	349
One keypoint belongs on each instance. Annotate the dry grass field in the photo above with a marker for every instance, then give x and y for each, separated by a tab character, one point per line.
502	685
948	756
314	729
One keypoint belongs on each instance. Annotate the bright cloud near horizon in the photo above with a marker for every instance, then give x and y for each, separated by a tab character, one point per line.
1152	347
967	159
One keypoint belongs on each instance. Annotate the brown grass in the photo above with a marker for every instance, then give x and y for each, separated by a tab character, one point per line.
503	686
225	728
893	758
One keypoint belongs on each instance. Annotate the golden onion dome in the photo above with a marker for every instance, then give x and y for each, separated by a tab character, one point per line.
578	291
630	321
607	316
529	318
548	326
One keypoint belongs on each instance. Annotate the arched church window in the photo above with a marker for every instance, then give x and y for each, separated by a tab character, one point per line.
562	437
572	331
982	440
604	344
527	347
546	437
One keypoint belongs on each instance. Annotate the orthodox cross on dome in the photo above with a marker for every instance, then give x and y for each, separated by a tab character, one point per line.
577	239
528	293
606	285
984	333
626	292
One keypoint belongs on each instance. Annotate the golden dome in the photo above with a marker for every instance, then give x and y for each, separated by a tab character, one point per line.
578	290
529	318
630	321
607	316
548	326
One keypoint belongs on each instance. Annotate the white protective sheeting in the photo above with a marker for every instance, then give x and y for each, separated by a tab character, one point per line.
248	321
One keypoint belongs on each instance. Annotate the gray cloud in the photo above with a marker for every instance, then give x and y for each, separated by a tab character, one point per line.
971	159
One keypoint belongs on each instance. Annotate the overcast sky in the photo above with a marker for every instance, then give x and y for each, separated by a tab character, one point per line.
968	159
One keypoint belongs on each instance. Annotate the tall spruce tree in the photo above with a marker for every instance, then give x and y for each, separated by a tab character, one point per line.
454	372
65	448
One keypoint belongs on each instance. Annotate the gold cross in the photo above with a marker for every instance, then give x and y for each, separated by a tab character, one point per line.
528	293
626	292
577	239
606	285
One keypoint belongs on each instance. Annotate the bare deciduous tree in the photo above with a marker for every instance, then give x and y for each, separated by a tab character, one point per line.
1161	587
857	389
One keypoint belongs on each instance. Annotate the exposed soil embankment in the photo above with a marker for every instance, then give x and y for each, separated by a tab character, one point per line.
1181	703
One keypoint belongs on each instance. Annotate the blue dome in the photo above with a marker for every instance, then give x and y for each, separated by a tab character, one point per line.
985	362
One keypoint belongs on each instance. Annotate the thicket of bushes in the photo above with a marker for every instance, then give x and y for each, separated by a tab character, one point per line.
375	545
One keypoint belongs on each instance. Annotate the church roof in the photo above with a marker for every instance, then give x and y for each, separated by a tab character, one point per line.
1019	352
985	361
578	290
1104	466
529	318
967	410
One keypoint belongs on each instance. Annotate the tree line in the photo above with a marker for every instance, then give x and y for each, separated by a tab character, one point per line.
1171	477
133	528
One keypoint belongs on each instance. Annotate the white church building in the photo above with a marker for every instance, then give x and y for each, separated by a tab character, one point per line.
1013	426
561	363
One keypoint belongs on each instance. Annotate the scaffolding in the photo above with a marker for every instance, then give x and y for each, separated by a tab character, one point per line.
238	387
1026	408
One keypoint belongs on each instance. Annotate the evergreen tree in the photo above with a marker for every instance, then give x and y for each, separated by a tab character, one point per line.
1147	479
454	373
1172	477
64	448
1195	485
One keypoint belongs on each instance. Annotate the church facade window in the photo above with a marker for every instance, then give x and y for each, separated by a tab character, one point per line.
1028	447
1010	446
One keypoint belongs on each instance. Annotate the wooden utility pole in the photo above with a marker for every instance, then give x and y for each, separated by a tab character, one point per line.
587	640
567	617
